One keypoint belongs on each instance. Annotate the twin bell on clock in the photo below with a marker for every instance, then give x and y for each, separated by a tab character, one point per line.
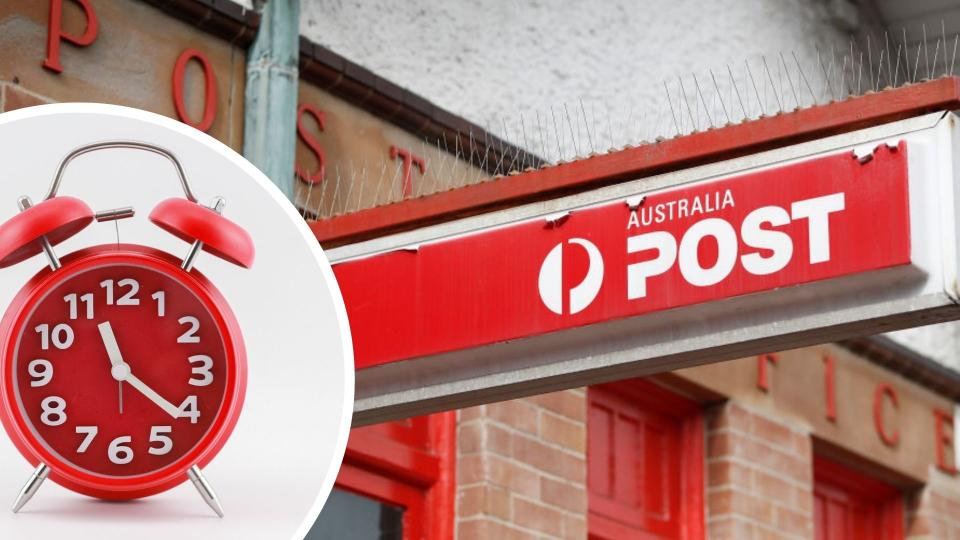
122	368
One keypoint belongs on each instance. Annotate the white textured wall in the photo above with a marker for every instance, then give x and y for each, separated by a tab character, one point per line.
492	61
499	58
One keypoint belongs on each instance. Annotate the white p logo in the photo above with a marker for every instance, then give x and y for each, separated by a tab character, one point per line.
551	279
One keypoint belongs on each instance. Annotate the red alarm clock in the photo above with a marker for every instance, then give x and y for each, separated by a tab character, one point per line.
122	368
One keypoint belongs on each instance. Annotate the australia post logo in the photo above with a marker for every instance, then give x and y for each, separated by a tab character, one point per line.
732	237
551	278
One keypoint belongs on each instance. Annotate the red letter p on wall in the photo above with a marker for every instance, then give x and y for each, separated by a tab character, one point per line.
55	32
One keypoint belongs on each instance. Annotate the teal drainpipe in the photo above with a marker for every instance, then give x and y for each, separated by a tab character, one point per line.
270	107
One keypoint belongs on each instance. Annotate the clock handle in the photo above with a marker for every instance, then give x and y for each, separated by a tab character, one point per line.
134	145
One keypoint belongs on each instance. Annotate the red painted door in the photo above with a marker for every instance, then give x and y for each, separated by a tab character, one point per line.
396	483
645	463
849	505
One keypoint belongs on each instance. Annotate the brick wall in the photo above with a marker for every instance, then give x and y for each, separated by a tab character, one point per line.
759	476
521	468
933	512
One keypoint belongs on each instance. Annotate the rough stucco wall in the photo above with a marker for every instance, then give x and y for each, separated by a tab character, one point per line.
493	61
487	60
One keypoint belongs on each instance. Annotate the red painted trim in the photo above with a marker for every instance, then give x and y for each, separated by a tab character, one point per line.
209	92
409	463
688	415
673	154
886	499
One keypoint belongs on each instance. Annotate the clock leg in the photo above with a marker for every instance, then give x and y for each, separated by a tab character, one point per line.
205	490
31	487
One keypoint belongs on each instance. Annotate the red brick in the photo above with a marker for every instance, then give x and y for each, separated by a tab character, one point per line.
16	98
729	415
796	523
724	471
564	495
470	438
535	516
471	469
730	529
567	403
564	432
481	529
574	527
549	459
770	487
773	433
485	500
507	474
517	413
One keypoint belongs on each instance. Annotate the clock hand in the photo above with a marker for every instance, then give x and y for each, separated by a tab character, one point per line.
149	393
113	352
110	343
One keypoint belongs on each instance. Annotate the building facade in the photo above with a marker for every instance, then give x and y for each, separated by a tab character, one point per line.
842	440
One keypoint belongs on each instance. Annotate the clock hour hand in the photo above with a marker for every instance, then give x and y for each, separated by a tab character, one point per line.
148	392
110	343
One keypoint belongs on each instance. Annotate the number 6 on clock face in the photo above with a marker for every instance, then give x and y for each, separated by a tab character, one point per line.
123	371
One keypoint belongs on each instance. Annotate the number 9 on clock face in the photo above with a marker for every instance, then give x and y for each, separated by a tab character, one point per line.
121	371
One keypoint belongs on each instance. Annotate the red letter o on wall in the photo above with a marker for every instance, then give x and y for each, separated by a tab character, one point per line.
210	89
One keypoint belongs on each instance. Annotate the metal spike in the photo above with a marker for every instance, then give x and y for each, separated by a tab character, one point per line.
683	92
722	104
586	127
796	97
926	50
556	131
763	110
936	52
896	69
916	66
803	76
943	35
860	74
706	107
886	42
772	85
573	137
876	85
870	57
954	58
733	83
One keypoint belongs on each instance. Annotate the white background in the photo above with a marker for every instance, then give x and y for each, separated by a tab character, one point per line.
282	459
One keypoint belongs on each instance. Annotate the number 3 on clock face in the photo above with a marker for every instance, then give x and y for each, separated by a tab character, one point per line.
121	371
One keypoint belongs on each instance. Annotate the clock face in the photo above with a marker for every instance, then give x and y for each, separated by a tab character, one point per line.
120	369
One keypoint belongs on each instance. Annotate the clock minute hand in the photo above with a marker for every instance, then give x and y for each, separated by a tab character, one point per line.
150	394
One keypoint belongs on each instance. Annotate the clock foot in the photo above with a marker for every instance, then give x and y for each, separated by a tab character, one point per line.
31	487
205	490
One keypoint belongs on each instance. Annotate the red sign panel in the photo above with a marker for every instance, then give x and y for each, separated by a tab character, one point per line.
808	221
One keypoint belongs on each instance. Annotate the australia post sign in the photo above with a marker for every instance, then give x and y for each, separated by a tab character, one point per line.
778	250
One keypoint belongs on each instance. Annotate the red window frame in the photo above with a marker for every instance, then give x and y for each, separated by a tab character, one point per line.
609	519
874	508
408	463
